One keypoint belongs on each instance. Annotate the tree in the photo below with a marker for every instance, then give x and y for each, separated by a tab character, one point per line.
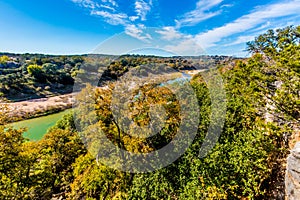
37	72
4	59
58	150
17	160
280	68
50	69
96	181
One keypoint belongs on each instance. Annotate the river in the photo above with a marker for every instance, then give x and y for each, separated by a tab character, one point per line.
37	127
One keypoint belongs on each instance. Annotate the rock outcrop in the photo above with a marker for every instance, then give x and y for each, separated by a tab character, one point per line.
292	176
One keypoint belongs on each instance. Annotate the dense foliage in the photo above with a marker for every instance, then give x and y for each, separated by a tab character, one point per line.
32	75
26	76
262	111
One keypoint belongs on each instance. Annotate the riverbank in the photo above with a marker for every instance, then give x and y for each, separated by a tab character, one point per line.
38	107
34	108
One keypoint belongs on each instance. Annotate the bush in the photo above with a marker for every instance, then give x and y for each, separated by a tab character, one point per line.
4	59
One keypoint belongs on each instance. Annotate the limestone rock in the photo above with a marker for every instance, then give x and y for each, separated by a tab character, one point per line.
292	176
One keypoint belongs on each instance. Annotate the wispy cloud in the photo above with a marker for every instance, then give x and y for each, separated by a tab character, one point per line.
227	5
107	9
171	38
133	18
94	5
239	31
137	32
86	3
242	40
112	18
169	33
112	2
185	46
200	13
262	27
142	8
247	22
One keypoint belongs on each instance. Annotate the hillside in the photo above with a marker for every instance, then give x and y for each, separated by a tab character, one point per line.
106	149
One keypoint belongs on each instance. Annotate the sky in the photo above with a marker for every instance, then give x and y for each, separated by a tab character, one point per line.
170	27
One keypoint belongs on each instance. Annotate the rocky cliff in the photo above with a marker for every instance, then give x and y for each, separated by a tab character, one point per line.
292	176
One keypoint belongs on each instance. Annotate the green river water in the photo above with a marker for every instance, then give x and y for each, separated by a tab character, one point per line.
37	127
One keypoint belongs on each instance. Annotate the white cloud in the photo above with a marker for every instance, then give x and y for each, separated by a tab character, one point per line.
239	31
133	18
227	5
108	7
169	33
137	32
201	13
86	3
205	5
262	27
93	5
112	18
248	22
142	8
112	2
185	46
105	9
242	40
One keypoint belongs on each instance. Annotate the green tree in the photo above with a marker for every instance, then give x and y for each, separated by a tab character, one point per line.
37	72
279	71
4	59
17	159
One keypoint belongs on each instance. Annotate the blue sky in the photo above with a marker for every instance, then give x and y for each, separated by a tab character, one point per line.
189	27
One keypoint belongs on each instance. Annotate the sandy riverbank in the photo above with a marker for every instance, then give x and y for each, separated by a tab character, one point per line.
39	107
